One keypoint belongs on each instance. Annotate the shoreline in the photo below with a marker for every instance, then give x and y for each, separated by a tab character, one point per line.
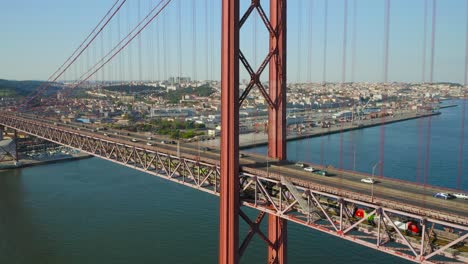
448	106
30	163
346	128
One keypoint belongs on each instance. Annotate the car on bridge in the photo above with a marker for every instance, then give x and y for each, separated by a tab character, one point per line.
445	196
309	169
463	196
368	180
321	172
299	164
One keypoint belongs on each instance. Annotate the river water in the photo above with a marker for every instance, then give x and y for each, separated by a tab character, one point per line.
94	211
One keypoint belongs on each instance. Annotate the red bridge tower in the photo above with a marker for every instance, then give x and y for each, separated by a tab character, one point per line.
231	55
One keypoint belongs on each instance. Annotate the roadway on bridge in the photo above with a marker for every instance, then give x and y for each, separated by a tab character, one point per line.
386	188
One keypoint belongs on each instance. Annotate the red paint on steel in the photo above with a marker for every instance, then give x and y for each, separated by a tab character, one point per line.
229	189
277	115
277	232
277	227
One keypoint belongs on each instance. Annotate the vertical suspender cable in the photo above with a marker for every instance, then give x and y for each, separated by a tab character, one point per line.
42	88
179	38
385	80
102	54
462	135
158	52
205	32
324	70
309	46
299	40
127	40
345	43
424	43
211	40
84	41
431	80
309	63
121	74
325	42
423	80
164	49
150	50
140	66
129	51
343	70
434	12
353	76
353	66
353	44
194	40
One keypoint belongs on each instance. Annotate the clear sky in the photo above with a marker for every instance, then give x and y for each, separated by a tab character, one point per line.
38	36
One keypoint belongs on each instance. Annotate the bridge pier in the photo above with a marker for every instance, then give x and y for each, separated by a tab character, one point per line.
2	130
15	140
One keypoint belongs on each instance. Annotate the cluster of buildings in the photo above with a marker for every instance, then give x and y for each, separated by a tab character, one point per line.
306	102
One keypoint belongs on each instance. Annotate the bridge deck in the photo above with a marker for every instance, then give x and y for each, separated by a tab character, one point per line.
327	204
392	193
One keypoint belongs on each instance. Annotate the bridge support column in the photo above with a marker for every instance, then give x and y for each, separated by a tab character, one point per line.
277	227
2	130
15	140
229	186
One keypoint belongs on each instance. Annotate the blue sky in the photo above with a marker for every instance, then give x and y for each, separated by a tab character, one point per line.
38	36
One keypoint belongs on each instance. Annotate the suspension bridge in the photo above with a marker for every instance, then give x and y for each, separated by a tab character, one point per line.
402	220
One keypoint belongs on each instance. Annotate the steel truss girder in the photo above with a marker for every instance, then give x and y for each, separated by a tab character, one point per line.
264	193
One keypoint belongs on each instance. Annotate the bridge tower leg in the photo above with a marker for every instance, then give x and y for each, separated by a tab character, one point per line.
277	227
229	185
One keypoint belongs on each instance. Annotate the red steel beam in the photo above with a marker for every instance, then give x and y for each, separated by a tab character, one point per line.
229	189
277	82
277	227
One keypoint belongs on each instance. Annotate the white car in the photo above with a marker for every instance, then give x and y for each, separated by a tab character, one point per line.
445	196
461	195
149	144
134	140
368	180
299	164
310	169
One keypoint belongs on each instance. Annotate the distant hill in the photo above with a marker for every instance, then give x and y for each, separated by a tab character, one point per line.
174	96
9	88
